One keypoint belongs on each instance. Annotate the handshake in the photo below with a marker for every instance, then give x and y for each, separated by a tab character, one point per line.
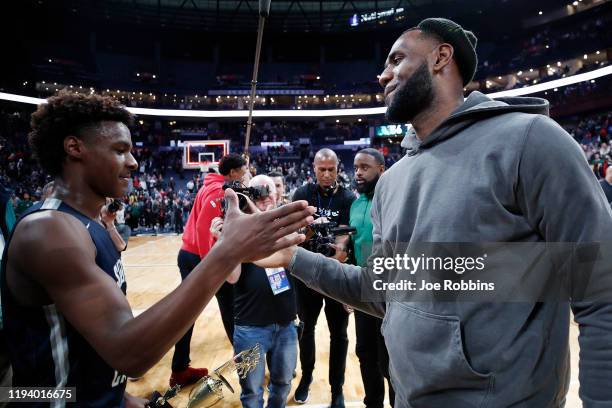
320	234
262	233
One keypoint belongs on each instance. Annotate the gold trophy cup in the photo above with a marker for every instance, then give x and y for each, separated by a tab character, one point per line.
209	390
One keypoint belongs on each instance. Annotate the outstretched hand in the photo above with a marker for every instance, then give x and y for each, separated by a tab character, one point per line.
249	237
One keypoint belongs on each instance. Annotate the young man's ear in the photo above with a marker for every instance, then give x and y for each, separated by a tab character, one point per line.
73	146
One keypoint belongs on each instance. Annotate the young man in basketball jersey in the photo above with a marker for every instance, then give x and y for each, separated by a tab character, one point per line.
66	318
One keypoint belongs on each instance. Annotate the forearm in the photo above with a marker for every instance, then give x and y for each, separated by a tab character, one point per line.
342	282
144	340
272	261
235	275
116	238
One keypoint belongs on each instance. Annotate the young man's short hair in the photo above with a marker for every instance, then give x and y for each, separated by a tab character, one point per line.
69	114
230	161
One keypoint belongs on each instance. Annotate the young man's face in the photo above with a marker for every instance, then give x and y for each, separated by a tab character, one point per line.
108	159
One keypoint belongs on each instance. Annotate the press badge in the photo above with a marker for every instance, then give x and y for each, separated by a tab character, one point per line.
277	277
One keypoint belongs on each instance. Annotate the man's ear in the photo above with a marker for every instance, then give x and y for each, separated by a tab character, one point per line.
74	147
444	56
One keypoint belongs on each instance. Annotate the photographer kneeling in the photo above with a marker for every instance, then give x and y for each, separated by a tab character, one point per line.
264	312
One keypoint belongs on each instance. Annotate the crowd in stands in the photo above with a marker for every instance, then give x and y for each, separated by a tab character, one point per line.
594	134
535	48
367	97
162	193
579	94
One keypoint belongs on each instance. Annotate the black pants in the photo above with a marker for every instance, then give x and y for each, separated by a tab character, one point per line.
373	360
225	296
309	308
180	360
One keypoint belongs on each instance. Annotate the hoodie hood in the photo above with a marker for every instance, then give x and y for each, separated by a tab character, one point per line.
476	107
213	185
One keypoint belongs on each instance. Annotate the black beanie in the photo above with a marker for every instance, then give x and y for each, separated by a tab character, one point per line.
463	42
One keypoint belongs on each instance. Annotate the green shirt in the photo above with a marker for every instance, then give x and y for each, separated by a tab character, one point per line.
362	221
22	206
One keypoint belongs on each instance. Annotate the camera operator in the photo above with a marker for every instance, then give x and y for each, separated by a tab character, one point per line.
332	202
197	242
264	313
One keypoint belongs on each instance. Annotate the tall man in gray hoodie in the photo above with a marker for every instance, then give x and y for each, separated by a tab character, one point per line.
477	171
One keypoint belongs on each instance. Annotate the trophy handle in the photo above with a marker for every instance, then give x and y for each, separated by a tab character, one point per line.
215	403
227	384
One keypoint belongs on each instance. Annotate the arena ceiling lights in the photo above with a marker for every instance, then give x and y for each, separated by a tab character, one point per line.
557	83
321	113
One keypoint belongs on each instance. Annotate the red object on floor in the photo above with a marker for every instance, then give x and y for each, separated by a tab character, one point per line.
188	376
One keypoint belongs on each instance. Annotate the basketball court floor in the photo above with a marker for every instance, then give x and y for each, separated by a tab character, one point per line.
151	273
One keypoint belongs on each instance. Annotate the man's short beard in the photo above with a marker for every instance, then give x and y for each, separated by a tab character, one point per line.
412	98
368	186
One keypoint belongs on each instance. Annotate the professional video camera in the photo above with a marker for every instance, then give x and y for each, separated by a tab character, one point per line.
324	235
254	193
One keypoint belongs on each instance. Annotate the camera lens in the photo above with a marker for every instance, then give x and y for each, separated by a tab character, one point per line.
114	206
242	202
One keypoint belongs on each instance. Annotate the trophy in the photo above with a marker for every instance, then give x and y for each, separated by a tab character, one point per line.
161	401
209	390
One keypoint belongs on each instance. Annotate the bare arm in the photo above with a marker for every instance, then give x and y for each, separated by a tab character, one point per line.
235	275
216	230
91	301
108	220
116	237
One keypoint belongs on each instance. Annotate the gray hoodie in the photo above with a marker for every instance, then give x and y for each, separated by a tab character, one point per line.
493	171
